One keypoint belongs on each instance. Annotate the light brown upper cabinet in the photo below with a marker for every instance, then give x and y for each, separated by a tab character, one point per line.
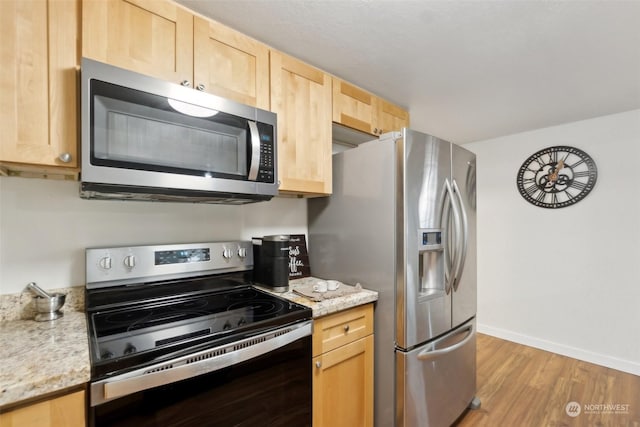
162	39
363	111
301	96
230	64
390	117
38	80
148	36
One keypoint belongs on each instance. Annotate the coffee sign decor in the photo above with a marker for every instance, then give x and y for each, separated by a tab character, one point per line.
298	257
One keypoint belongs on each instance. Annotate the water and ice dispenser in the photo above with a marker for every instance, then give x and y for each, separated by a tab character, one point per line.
431	262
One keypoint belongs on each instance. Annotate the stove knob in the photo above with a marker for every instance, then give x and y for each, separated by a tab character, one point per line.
242	322
130	349
242	252
106	355
227	253
130	261
105	263
226	326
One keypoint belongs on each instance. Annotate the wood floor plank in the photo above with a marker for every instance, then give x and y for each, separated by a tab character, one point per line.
526	387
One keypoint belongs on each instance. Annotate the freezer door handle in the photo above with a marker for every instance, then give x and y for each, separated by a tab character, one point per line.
464	238
433	354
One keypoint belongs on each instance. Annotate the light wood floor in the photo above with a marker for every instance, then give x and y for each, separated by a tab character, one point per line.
522	386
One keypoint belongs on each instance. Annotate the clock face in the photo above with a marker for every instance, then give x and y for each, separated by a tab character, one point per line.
557	177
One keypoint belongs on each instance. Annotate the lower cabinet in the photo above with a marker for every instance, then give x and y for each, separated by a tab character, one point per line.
66	410
343	369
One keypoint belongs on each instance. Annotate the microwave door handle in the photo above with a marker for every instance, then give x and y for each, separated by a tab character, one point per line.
254	142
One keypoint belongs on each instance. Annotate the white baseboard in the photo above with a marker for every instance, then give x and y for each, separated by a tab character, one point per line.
565	350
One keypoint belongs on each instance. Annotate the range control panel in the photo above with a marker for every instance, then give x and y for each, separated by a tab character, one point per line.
131	264
182	256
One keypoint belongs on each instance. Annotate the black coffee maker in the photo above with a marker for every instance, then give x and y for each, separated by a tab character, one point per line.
271	261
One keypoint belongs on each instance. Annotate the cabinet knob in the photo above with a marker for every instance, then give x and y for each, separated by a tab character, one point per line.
185	83
65	157
200	87
346	328
318	364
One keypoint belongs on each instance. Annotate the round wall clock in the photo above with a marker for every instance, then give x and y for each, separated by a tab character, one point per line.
557	177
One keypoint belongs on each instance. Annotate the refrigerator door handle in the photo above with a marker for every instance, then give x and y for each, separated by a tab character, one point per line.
450	261
457	236
445	215
464	238
432	354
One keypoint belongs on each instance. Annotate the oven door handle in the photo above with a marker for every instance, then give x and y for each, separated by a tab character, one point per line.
195	364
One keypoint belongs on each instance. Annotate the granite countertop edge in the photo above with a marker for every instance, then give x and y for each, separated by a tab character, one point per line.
327	306
40	358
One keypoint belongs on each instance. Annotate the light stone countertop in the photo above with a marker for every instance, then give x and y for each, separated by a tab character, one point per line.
327	306
37	358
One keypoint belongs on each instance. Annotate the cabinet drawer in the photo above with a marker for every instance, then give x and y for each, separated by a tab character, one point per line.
335	330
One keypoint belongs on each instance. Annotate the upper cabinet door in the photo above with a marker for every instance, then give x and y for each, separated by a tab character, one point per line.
230	64
38	81
148	36
391	117
353	107
301	96
363	111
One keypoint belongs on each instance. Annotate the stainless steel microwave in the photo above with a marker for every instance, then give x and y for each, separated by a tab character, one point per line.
148	139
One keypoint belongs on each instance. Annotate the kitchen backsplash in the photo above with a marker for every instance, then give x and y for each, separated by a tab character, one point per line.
46	227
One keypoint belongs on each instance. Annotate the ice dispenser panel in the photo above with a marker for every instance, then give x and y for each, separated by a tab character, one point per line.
431	263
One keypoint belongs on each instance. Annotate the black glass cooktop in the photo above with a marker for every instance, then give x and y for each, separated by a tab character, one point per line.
227	310
134	325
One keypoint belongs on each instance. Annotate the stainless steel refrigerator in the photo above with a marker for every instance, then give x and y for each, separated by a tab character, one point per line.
402	221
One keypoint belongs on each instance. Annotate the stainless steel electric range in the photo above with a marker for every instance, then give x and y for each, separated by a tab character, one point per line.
178	336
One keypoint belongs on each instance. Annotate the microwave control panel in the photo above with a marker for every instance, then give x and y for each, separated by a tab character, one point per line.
266	167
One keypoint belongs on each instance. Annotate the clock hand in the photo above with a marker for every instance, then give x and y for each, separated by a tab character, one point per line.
553	175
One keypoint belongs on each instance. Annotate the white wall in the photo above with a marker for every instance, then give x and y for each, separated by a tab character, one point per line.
565	280
45	227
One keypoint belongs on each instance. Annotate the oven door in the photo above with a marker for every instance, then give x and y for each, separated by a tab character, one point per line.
261	381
